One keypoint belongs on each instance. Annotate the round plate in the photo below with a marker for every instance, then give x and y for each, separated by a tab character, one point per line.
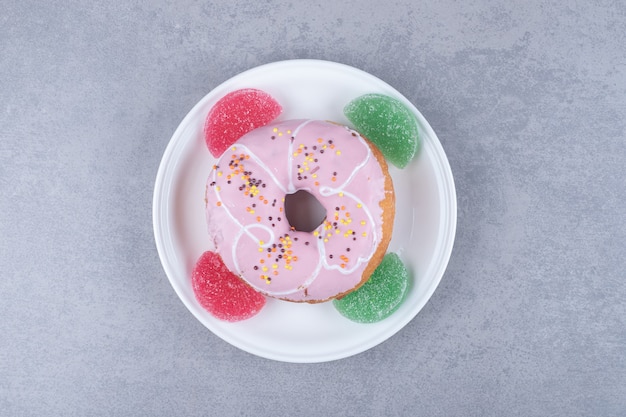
424	227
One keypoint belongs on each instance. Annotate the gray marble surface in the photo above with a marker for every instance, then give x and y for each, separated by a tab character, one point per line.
528	100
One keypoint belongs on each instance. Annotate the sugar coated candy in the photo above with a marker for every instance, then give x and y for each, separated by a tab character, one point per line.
236	114
380	296
387	123
222	293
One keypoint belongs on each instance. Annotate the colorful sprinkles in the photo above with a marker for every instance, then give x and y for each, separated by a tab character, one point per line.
313	164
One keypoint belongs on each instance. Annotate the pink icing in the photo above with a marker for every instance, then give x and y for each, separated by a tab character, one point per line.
245	208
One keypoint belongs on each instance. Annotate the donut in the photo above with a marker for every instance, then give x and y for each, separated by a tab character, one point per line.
248	195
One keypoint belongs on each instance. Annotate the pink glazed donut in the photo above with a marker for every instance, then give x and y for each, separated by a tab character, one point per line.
247	221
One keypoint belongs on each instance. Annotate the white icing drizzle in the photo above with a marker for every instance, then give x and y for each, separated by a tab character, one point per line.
230	215
323	190
327	191
263	166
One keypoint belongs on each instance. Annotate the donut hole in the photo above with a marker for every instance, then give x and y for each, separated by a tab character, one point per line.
303	211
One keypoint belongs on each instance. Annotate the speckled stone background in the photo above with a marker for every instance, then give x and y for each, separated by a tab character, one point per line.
529	101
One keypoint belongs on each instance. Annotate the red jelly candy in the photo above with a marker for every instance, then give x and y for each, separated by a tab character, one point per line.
222	293
236	114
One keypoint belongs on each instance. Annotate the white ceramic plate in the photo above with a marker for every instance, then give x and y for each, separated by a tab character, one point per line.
424	228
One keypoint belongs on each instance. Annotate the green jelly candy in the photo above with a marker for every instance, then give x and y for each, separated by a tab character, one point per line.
388	124
380	296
